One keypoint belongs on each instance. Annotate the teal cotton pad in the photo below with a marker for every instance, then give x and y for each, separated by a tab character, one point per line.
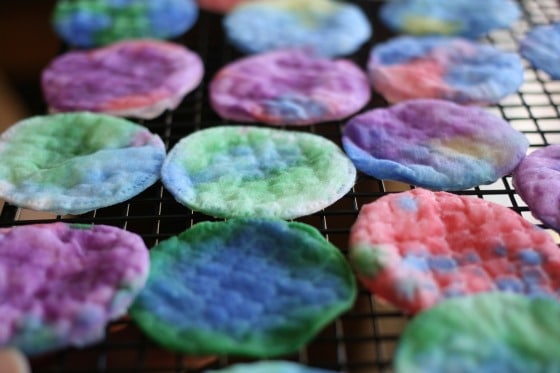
250	287
73	163
244	171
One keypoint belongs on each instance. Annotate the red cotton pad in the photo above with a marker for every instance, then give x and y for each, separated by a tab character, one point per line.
418	247
289	87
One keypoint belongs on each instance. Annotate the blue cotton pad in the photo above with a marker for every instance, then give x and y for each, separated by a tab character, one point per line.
541	46
468	18
269	367
90	23
435	144
253	287
328	28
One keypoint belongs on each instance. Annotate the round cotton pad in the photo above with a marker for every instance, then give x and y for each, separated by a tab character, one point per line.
269	367
434	144
77	162
453	69
289	87
135	78
418	247
240	171
329	28
468	18
253	287
90	23
541	46
537	181
492	332
61	284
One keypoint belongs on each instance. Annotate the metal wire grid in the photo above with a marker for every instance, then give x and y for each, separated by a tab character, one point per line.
364	339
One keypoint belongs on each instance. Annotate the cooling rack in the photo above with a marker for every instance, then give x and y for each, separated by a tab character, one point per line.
362	340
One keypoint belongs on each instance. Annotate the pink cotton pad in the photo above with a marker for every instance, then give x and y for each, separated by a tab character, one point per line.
289	87
537	181
61	284
134	78
416	248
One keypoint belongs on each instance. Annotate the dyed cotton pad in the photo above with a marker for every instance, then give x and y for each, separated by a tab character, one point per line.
492	332
329	28
541	46
253	287
434	144
90	23
77	162
220	6
537	181
269	367
453	69
240	171
136	78
289	87
61	284
418	247
468	18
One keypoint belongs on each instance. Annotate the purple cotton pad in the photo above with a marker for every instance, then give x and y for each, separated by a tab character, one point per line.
289	87
435	144
537	181
133	78
61	284
448	68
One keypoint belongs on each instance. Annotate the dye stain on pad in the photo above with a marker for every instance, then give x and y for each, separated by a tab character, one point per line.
483	333
133	78
244	171
434	144
289	87
448	68
251	287
76	162
62	284
417	248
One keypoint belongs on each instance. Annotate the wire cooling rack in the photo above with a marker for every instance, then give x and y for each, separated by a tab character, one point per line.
362	340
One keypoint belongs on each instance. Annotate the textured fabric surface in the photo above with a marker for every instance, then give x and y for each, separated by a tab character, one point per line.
269	367
485	333
133	78
289	87
541	46
61	284
468	18
242	171
77	162
91	23
329	28
417	248
253	287
453	69
537	181
435	144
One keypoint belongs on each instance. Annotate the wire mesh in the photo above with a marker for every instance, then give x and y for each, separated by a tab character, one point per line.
362	340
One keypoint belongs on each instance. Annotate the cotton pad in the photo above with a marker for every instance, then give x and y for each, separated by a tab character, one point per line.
541	46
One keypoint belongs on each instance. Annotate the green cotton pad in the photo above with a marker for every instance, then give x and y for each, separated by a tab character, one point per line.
244	171
252	287
484	333
269	367
76	162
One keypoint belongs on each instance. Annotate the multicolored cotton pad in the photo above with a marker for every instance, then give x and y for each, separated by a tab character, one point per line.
327	27
133	78
537	181
252	287
91	23
77	162
269	367
541	46
61	284
468	18
416	248
289	87
485	333
435	144
452	69
243	171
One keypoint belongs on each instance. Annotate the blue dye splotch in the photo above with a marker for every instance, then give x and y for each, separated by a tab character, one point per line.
442	263
530	257
408	203
416	262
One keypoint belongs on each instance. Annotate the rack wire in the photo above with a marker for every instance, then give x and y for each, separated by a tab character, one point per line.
362	340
